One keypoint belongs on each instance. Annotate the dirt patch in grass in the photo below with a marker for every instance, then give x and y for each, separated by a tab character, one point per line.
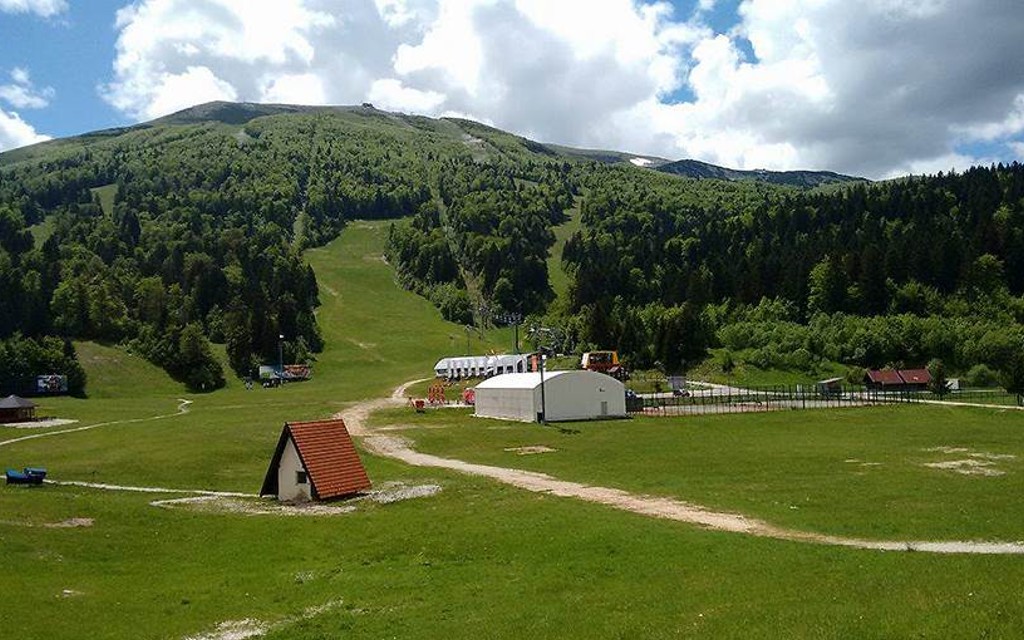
398	491
70	523
977	463
389	493
253	507
967	467
233	630
862	463
253	628
530	450
38	424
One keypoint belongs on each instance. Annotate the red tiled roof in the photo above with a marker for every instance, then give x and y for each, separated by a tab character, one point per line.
326	450
915	376
885	376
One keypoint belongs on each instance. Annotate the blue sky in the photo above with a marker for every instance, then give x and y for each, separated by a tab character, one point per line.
877	88
72	53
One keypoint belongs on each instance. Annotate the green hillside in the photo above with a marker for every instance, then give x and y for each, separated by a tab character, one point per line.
183	240
481	558
177	252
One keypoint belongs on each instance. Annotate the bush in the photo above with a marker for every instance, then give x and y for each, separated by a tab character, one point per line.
981	375
453	303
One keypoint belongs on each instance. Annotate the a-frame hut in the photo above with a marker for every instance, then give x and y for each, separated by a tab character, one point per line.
315	461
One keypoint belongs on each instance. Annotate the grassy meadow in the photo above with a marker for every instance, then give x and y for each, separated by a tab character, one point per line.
480	559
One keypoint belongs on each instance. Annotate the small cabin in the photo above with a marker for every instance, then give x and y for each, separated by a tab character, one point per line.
315	461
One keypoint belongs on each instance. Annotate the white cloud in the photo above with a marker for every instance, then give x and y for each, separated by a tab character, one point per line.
44	8
391	95
15	132
452	46
220	49
1011	125
299	88
945	163
866	88
399	13
22	93
178	91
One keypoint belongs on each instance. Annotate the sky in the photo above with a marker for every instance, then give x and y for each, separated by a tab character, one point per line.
874	88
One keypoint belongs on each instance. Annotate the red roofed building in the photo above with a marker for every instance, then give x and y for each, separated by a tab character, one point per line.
915	379
897	379
315	461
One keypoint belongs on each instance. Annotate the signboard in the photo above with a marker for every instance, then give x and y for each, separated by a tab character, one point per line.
291	372
52	383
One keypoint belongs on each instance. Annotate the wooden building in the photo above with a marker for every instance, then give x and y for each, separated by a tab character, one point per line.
897	379
17	409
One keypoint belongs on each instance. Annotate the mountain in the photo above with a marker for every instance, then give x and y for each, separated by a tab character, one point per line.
191	229
804	179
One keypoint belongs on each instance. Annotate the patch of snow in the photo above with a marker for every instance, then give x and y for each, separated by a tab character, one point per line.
640	162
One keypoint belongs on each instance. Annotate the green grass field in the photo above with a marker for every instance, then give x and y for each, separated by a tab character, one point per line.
853	472
481	559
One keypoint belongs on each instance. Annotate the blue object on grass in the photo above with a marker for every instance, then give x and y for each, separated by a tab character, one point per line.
31	475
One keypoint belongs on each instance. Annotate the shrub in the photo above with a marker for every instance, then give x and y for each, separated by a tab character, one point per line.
981	375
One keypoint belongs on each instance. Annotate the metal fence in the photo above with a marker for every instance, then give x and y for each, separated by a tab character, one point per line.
697	400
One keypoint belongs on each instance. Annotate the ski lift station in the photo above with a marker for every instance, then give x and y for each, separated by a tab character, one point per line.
481	366
568	395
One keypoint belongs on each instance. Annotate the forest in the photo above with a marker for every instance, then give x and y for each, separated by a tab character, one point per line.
173	237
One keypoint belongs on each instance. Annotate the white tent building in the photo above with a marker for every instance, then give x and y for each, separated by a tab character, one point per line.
568	395
481	366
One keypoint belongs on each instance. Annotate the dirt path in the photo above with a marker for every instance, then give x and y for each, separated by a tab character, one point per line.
120	487
183	408
400	448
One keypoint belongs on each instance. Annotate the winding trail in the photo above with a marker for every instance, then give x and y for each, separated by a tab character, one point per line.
183	408
400	448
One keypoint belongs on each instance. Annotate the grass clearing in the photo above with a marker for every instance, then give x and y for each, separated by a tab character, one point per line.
107	194
556	274
41	232
850	472
480	558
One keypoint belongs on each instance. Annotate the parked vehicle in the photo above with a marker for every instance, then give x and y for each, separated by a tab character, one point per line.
604	362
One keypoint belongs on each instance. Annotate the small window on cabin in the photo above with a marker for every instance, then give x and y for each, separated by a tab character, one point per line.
300	477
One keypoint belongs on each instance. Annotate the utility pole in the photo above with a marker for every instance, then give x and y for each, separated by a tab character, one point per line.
513	318
280	354
543	403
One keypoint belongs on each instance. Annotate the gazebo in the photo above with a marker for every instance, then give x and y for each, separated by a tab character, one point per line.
17	409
